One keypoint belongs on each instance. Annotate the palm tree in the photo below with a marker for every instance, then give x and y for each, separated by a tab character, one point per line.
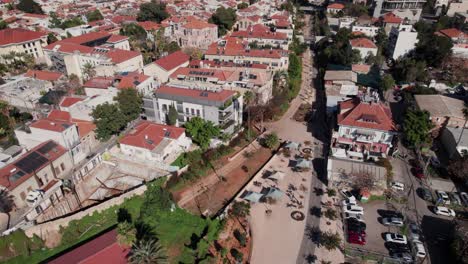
6	204
148	252
88	71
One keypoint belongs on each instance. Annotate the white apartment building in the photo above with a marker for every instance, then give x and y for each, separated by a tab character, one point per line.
402	40
222	107
22	41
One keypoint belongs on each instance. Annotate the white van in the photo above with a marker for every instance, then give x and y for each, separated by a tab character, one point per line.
418	249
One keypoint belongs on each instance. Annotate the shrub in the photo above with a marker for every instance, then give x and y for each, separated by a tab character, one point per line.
238	256
240	237
330	214
331	192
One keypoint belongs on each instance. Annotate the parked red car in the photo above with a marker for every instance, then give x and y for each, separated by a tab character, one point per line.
356	239
354	233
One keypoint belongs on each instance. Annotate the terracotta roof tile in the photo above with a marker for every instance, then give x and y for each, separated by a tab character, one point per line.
18	35
44	75
148	135
362	43
69	101
172	60
336	6
368	115
221	96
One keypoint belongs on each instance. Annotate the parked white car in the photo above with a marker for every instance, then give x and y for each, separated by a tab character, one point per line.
347	194
441	210
443	196
464	197
418	249
34	197
354	209
392	221
397	186
396	238
353	216
347	202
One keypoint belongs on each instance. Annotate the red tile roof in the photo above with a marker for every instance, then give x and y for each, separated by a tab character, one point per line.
235	47
84	127
116	38
99	82
362	43
149	25
69	101
44	75
18	35
367	115
336	6
172	60
391	18
148	135
51	125
360	68
260	32
59	115
121	19
35	15
218	64
119	55
100	250
453	33
131	80
221	96
6	173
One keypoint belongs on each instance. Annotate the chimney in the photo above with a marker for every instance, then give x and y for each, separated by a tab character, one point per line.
146	137
52	123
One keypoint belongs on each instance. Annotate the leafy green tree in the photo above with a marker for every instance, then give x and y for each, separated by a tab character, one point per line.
134	31
224	18
148	252
240	237
381	40
129	102
172	116
409	70
242	5
295	67
109	120
416	127
156	200
152	11
73	22
94	16
356	10
387	82
29	6
6	204
55	21
3	24
330	240
202	131
126	233
51	38
434	49
240	209
271	140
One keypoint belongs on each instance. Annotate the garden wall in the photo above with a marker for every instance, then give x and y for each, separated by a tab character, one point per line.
43	230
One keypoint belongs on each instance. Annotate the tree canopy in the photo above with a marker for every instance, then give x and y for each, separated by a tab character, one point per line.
109	120
242	5
152	11
459	168
172	116
409	70
29	6
129	102
224	18
133	31
387	82
416	127
94	16
201	131
3	24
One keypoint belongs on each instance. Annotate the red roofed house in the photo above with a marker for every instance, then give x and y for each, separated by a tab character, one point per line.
103	85
222	107
47	76
365	46
262	35
161	69
106	52
390	20
22	40
42	168
365	131
69	101
73	134
335	8
196	33
102	249
155	142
